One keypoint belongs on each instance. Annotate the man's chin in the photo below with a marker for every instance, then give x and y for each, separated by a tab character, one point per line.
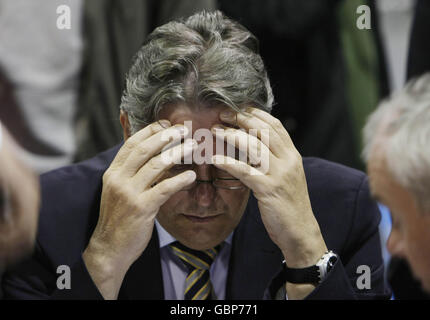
200	242
201	238
202	220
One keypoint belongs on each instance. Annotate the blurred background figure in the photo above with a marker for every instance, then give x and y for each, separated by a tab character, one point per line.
39	66
327	74
113	32
395	21
397	138
400	277
419	48
19	204
64	85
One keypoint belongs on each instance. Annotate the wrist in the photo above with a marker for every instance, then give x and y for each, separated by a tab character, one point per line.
106	272
103	257
305	255
314	274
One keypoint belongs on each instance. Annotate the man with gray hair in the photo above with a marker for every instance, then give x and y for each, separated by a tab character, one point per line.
207	198
397	152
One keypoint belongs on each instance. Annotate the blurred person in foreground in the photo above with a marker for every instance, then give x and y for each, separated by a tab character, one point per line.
131	225
400	277
397	143
65	72
19	204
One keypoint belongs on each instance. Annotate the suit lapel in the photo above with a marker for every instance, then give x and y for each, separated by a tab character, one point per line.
144	279
254	259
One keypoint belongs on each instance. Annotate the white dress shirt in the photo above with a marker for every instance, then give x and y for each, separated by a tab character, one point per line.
175	272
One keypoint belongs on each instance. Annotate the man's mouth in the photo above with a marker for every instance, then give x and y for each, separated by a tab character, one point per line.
201	219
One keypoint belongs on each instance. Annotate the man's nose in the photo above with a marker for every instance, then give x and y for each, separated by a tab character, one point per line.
204	192
395	245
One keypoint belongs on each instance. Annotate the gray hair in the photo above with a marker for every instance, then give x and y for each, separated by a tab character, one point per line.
206	58
405	119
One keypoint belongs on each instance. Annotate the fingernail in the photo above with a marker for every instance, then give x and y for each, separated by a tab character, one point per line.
164	123
227	114
217	127
191	175
182	130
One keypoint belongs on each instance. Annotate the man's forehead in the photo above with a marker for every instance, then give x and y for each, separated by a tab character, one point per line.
201	116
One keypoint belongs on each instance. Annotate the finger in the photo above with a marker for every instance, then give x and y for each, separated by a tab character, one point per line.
138	137
156	167
256	127
249	145
245	173
274	122
162	191
147	149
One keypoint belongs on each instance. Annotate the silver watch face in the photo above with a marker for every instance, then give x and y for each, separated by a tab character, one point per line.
331	262
326	264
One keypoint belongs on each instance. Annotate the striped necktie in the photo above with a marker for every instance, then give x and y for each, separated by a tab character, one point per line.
197	284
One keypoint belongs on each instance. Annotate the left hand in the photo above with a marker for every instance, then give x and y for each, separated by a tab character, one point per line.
281	190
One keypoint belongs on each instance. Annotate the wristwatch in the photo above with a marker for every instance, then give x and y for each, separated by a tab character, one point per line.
314	274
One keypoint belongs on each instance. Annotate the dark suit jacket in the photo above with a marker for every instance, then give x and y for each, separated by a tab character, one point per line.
70	205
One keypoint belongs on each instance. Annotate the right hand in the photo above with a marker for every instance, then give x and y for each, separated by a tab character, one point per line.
130	203
19	203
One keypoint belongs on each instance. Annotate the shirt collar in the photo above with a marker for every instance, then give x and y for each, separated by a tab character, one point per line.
165	238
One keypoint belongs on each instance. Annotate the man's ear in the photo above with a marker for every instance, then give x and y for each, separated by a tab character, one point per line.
123	118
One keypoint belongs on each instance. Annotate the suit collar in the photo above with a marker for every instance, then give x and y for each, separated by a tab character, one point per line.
248	276
165	238
144	279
